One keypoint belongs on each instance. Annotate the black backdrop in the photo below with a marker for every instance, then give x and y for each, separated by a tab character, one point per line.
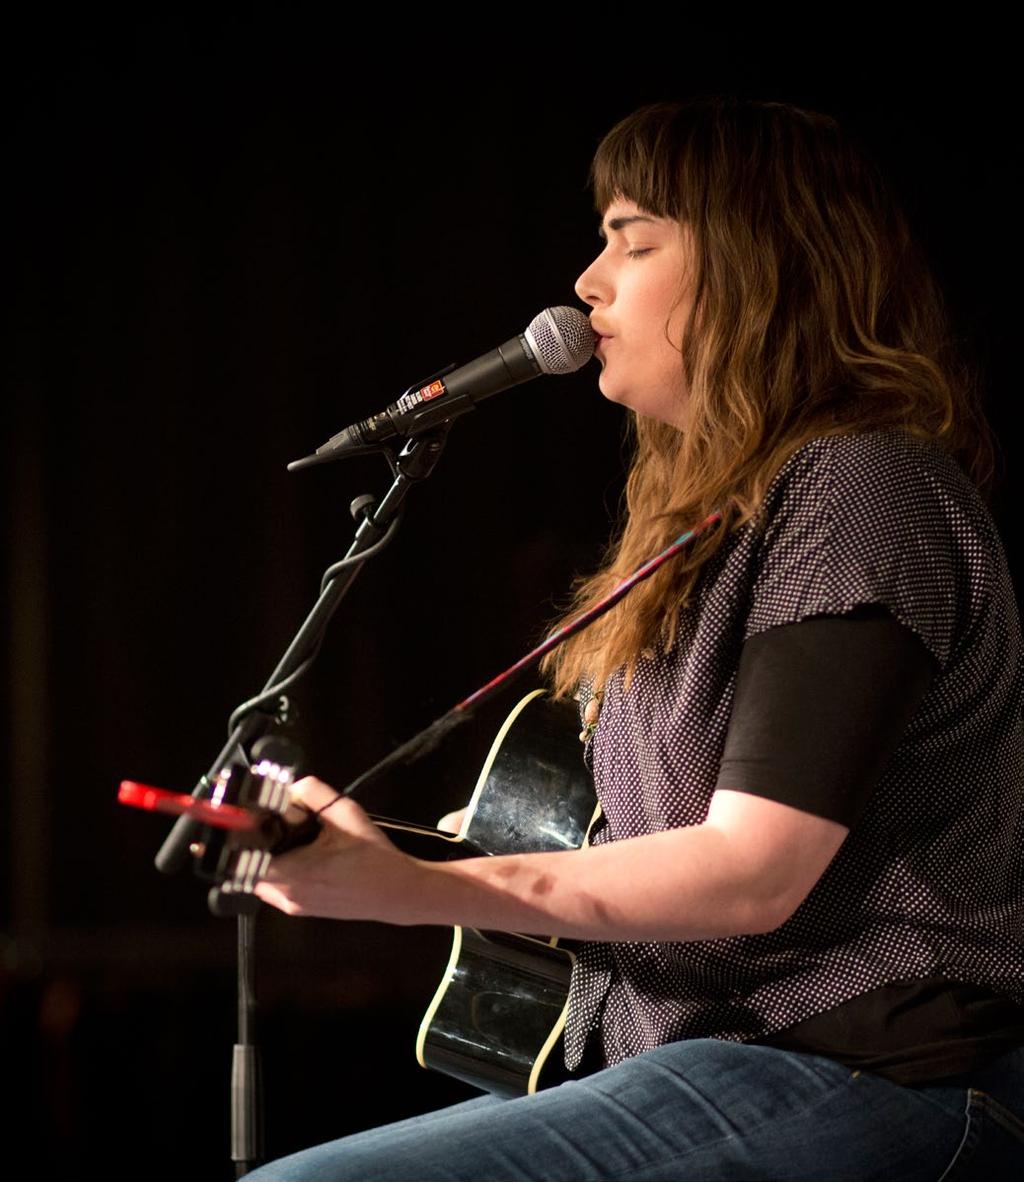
229	238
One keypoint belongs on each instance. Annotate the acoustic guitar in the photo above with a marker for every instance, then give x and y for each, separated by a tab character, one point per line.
499	1011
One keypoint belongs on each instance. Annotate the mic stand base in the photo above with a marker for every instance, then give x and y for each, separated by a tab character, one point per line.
246	1088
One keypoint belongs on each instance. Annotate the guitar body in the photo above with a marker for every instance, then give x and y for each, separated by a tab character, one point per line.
499	1011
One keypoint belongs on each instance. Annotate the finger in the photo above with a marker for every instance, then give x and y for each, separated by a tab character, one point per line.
452	822
276	898
314	793
338	814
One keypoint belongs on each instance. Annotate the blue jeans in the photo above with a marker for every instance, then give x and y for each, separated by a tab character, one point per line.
696	1111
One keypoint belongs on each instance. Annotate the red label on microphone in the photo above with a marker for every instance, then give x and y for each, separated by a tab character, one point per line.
434	390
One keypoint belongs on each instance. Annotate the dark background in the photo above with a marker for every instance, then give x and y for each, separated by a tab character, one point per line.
227	238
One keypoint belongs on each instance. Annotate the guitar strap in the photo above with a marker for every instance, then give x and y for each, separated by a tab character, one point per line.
430	736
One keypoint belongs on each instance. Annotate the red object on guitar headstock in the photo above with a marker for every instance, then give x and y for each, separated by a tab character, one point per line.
247	819
160	800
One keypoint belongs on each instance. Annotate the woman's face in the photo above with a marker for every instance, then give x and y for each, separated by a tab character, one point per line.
640	288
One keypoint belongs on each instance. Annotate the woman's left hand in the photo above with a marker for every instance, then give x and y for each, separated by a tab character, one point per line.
351	870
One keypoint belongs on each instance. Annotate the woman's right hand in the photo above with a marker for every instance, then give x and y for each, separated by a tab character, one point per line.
452	822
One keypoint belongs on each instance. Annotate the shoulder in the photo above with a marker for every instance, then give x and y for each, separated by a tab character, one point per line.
873	467
877	518
874	486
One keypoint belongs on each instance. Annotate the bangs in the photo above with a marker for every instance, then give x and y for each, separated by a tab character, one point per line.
643	159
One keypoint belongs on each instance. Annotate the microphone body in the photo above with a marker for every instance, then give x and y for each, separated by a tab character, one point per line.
558	340
419	410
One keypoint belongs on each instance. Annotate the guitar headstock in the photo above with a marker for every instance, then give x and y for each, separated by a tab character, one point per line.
247	816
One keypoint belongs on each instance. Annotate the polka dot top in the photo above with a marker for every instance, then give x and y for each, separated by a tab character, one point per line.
930	881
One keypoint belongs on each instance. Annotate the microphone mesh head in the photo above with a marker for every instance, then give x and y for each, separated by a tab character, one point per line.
562	339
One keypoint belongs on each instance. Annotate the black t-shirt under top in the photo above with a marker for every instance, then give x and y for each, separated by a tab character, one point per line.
819	708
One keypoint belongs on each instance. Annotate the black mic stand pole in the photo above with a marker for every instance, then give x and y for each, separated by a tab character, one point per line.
413	464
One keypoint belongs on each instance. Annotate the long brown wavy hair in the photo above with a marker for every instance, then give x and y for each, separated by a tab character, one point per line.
814	313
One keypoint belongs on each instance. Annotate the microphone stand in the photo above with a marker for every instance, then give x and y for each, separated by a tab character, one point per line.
376	526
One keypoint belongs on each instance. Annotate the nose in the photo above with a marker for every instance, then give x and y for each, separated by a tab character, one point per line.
591	287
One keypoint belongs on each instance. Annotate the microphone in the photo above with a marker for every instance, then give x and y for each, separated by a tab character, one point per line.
558	340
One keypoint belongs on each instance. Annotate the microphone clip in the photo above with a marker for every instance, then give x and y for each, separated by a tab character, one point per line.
342	444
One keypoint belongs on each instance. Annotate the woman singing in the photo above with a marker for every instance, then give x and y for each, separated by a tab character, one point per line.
801	915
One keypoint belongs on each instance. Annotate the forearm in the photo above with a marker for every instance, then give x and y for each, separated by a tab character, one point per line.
744	870
684	884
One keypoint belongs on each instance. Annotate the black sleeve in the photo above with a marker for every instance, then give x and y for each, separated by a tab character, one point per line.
819	708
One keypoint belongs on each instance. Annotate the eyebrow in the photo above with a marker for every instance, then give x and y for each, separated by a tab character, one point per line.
621	223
